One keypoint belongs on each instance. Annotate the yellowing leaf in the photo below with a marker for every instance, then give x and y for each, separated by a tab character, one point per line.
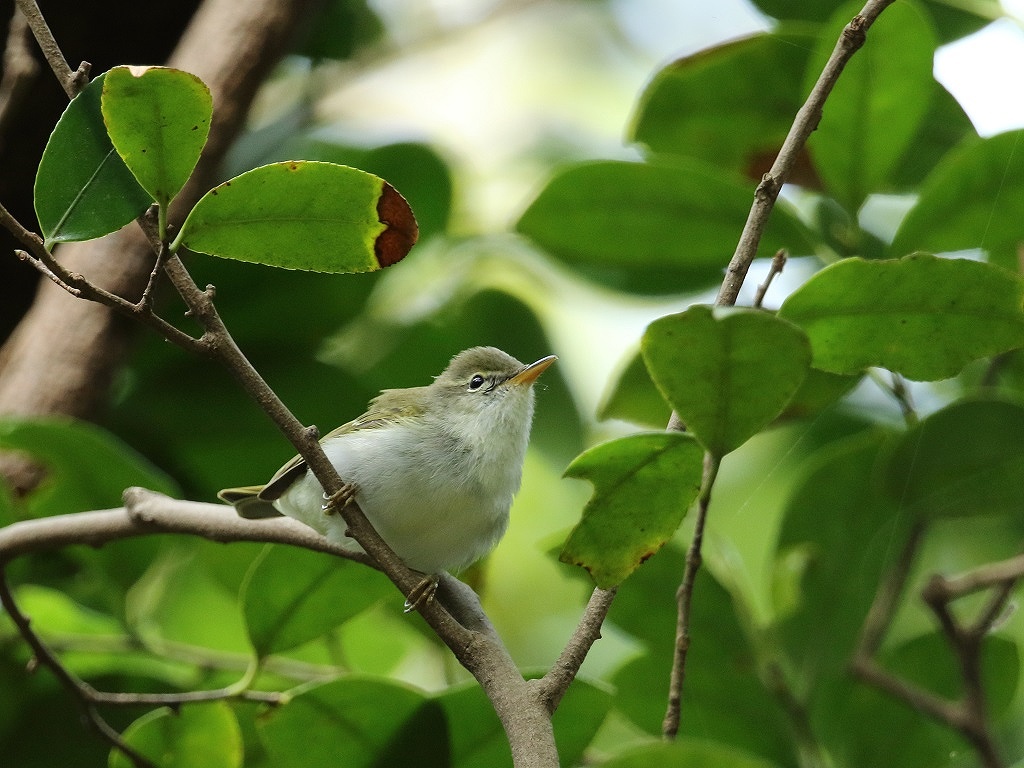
643	486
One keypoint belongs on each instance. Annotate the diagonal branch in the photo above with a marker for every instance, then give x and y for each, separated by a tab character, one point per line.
807	118
83	692
552	687
684	598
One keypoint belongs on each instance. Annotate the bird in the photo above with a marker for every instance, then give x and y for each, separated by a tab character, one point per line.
434	468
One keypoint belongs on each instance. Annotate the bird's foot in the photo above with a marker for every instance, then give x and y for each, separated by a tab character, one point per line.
423	593
339	499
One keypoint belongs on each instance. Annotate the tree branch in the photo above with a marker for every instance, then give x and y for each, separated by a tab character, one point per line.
80	690
767	192
146	513
807	118
552	687
684	597
968	715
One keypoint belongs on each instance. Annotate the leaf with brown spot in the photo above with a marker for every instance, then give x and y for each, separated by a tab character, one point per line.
314	216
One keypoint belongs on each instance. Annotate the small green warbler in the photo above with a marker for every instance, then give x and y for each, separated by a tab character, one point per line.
433	468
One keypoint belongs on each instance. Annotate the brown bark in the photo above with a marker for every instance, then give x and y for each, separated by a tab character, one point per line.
64	353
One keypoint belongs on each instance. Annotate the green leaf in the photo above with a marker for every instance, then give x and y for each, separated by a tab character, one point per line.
945	127
819	390
658	227
477	738
163	603
686	754
878	104
643	486
293	596
842	532
967	459
83	189
952	22
158	120
199	736
357	723
89	467
922	316
634	397
972	199
339	28
417	169
728	375
811	10
731	105
303	215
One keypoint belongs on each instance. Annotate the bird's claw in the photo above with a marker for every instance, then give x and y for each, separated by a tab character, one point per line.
338	500
422	594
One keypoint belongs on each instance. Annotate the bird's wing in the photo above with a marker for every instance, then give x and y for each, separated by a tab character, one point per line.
384	409
247	503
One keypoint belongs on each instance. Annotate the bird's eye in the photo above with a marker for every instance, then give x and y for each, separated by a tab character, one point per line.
476	382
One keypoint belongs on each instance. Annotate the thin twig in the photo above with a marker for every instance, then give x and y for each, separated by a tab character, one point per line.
71	81
552	687
79	689
205	659
981	578
145	302
811	754
901	392
684	598
968	715
778	263
44	262
883	608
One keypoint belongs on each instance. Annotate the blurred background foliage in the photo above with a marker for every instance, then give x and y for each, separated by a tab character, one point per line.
578	168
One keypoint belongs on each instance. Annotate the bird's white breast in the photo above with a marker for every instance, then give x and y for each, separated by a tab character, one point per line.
439	500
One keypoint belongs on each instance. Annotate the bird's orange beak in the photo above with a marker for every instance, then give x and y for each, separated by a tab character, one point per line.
528	374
